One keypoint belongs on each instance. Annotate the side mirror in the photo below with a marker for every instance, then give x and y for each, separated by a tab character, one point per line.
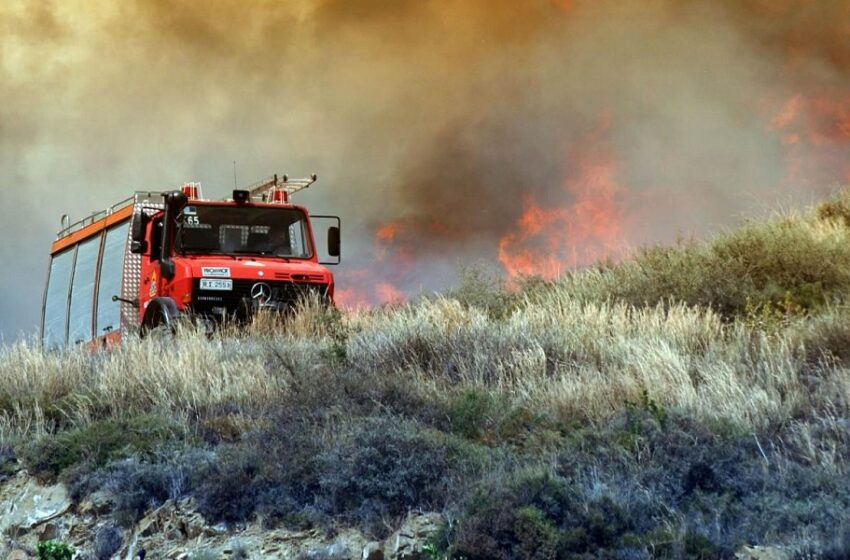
333	241
174	203
139	247
333	247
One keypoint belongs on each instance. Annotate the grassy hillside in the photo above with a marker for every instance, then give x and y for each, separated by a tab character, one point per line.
680	404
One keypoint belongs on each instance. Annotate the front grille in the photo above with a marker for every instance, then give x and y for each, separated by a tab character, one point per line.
299	277
238	301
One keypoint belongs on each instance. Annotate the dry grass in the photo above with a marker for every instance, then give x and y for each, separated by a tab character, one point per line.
578	348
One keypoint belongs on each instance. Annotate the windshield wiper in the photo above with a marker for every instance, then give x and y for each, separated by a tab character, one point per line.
252	252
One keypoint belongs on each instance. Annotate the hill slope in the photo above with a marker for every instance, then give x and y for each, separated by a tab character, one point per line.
683	403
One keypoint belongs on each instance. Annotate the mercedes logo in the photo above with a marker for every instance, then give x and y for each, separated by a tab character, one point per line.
261	292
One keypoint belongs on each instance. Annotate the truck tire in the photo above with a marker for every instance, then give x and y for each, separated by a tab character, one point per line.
160	316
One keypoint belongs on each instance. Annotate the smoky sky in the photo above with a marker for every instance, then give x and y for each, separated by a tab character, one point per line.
442	117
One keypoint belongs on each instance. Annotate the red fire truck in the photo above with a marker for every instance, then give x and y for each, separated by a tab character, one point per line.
144	262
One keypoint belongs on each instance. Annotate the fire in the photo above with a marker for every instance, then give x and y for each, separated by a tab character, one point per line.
788	114
387	293
545	241
815	134
387	232
376	285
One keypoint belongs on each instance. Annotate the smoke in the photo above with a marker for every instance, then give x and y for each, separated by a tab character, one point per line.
452	124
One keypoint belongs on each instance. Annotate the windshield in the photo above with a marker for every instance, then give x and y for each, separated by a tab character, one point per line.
232	230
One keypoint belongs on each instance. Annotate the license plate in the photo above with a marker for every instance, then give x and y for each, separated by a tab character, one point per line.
210	284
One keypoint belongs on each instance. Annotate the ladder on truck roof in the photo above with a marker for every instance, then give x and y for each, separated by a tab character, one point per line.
267	189
140	197
272	189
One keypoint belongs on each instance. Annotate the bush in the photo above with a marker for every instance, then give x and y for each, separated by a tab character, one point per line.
9	464
837	209
54	550
272	472
231	489
790	264
385	467
535	513
472	413
136	485
107	540
825	338
480	290
96	444
640	488
368	473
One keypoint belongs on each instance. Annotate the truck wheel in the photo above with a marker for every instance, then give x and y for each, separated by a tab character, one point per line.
160	317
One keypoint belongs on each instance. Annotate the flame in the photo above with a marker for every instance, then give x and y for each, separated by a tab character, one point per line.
545	242
787	114
387	232
387	293
814	131
376	284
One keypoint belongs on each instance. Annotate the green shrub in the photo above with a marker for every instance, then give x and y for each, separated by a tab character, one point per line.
472	413
481	290
484	416
538	537
54	550
671	544
790	264
538	514
96	444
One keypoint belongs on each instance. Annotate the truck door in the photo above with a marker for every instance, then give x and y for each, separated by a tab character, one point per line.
108	317
151	278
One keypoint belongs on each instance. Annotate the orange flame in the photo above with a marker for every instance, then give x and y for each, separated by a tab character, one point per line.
548	241
387	232
815	133
375	285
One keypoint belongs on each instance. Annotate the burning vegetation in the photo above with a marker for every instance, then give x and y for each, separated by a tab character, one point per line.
648	155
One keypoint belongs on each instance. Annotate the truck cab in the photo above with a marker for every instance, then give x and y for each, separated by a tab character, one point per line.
231	258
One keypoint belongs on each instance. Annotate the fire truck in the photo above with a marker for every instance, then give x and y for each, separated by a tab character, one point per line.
143	263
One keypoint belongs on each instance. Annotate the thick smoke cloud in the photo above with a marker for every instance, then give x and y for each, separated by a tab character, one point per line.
433	125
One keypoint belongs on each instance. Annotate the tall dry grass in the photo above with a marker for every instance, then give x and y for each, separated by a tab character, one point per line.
748	328
579	360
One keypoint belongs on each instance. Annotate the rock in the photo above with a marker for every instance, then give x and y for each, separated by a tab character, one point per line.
215	530
149	524
762	553
101	502
18	554
407	542
26	504
335	551
47	532
373	551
